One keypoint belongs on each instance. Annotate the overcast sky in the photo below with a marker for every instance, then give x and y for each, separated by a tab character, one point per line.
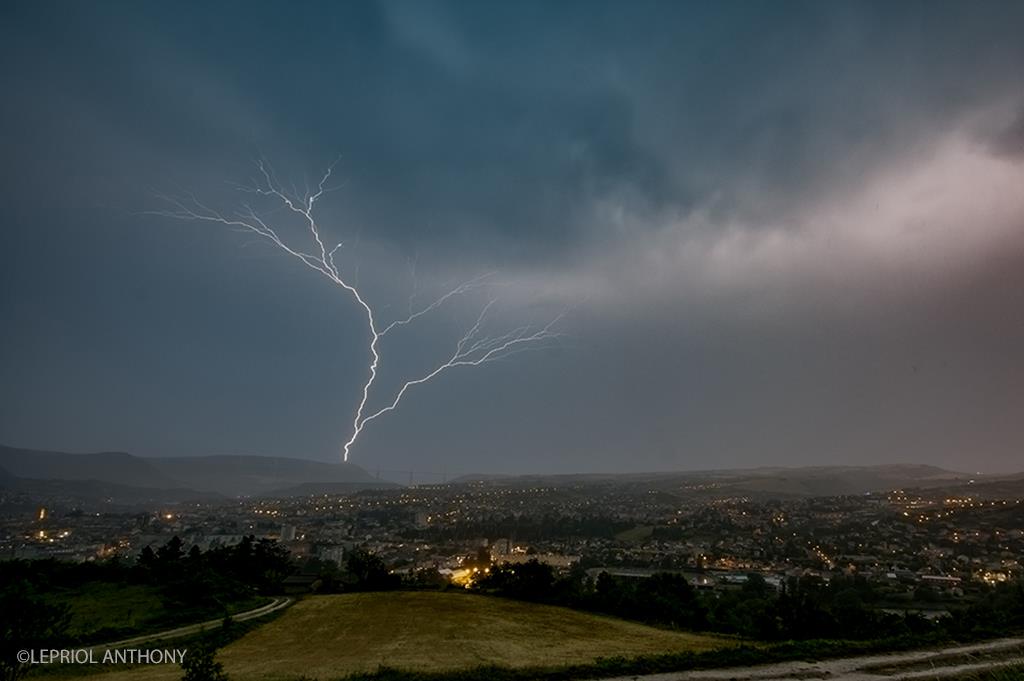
785	233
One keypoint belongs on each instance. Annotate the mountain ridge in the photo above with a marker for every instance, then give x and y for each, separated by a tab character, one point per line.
231	475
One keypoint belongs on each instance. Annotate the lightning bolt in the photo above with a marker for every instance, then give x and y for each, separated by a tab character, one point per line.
473	348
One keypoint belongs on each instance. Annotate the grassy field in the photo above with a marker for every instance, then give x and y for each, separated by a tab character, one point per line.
103	611
114	607
326	637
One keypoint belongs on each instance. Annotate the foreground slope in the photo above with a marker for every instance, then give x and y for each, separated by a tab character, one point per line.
326	637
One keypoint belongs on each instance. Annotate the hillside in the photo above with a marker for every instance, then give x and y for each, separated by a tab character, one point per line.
242	475
88	493
306	489
133	479
758	482
118	468
326	637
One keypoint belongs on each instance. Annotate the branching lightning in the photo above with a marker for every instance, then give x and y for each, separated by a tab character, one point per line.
474	348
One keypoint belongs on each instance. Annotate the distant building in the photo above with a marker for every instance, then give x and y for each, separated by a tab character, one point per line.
941	580
555	560
287	533
951	585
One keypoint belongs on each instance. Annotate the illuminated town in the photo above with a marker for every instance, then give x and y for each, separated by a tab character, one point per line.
927	545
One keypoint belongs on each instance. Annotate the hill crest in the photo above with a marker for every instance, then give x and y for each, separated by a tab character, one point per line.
193	476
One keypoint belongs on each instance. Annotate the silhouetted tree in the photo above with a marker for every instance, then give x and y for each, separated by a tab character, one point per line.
369	573
147	558
28	623
200	664
171	552
530	581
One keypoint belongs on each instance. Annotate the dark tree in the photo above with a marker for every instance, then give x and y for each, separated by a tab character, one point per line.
171	552
368	572
28	623
200	664
147	558
531	581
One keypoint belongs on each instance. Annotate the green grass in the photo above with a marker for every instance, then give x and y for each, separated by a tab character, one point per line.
104	611
99	606
327	637
448	636
218	636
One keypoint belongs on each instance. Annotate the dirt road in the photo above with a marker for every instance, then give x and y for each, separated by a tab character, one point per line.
918	665
273	606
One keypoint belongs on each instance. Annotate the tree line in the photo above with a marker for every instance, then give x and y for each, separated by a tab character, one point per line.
804	608
192	586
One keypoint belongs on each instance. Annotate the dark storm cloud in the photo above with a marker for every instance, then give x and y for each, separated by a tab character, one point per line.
1010	139
789	232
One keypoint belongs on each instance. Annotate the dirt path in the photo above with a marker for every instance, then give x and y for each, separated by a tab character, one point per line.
917	665
187	630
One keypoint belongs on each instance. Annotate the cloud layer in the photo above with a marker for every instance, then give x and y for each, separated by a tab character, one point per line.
787	232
